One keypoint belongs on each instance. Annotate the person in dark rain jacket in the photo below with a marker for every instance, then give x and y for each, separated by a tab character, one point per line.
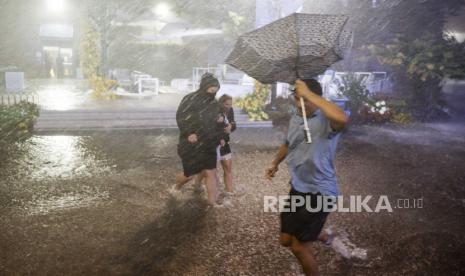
223	150
199	134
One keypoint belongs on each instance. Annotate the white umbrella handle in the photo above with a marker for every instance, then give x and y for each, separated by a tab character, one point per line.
306	128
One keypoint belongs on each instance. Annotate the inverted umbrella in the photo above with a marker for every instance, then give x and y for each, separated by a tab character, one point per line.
297	46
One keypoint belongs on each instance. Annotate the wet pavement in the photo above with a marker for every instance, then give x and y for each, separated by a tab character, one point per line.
68	107
71	94
76	121
97	204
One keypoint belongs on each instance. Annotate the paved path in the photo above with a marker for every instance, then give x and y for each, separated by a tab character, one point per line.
66	106
104	120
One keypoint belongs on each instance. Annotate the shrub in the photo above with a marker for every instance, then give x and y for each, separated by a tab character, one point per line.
400	112
402	118
101	88
17	121
421	64
375	112
354	89
253	104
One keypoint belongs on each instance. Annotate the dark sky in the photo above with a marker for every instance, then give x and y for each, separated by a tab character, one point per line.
457	23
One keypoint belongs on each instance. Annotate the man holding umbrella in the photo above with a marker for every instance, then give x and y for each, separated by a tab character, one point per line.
301	46
311	169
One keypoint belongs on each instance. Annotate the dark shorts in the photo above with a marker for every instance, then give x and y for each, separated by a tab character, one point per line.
303	224
225	150
194	160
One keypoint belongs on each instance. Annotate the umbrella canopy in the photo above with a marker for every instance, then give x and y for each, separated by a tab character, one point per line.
297	46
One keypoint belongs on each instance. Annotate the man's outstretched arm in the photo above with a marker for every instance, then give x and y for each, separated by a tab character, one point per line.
280	156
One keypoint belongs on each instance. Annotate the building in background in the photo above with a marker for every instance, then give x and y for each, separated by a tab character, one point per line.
59	38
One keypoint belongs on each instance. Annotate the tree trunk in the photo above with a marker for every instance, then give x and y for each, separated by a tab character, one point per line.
425	99
103	57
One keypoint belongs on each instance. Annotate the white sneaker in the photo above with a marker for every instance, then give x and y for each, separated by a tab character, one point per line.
229	194
174	192
340	247
215	207
227	203
359	253
348	250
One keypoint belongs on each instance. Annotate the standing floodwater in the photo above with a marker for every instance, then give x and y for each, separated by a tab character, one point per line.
99	203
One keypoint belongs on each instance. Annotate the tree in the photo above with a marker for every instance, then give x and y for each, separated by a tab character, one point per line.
419	53
426	61
404	25
90	54
234	17
108	18
20	36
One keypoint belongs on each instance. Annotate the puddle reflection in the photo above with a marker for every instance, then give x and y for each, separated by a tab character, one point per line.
63	156
60	97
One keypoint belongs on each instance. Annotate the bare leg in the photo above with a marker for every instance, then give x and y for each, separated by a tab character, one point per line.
181	179
285	239
323	237
227	171
212	186
199	178
304	253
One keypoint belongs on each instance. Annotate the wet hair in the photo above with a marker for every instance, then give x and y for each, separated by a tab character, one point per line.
224	98
314	85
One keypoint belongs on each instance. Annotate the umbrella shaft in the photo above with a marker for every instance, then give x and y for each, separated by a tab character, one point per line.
306	128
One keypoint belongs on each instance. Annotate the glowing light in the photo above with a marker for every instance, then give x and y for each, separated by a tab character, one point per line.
459	36
56	6
162	9
59	97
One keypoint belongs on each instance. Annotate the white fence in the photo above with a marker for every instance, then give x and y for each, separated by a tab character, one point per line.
135	81
182	85
375	82
197	73
14	88
238	84
145	84
15	98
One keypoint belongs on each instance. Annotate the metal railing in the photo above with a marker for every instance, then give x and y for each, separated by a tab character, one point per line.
148	83
16	98
375	82
197	73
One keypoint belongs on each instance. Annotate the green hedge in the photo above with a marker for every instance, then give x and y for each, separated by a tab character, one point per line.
17	121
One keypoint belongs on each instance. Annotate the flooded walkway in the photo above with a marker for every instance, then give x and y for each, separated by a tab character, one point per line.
73	94
68	107
98	205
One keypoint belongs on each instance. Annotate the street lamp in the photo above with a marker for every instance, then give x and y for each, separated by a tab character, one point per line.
56	6
162	9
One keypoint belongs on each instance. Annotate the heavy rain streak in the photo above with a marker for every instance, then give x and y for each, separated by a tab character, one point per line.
232	137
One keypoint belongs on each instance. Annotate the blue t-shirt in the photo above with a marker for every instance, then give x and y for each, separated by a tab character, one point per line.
311	165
